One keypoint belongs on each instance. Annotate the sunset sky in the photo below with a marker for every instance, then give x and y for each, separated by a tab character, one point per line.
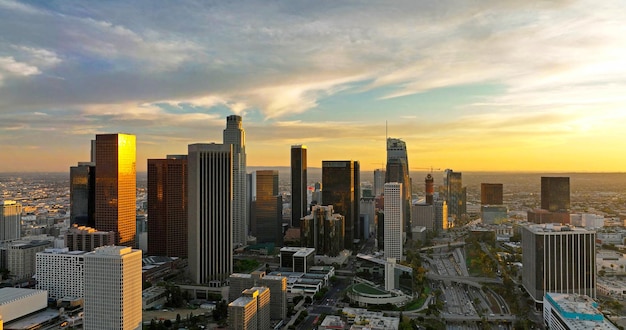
470	85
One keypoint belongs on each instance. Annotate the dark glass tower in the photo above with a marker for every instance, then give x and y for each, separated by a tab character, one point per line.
398	171
491	193
83	194
455	194
266	208
116	186
298	184
167	206
236	136
340	181
555	194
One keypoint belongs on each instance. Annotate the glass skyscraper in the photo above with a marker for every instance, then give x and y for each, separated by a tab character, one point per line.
298	184
340	180
398	171
236	136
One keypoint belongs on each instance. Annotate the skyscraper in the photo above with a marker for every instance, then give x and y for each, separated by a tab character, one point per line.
210	225
266	211
398	171
83	194
393	220
167	206
251	311
298	184
558	259
341	191
379	181
10	220
491	193
113	293
454	194
555	194
236	136
116	186
323	230
429	183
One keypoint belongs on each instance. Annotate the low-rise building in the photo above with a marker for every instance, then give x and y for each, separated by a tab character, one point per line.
15	302
572	311
153	297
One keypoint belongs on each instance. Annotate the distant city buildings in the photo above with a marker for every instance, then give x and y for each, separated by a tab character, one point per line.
341	180
167	206
394	205
555	201
491	193
235	136
298	184
558	259
210	224
116	184
398	171
113	288
10	220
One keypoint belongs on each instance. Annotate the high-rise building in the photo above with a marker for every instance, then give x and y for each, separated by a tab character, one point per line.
116	186
83	194
210	224
298	184
558	259
379	181
398	171
323	231
61	273
393	220
266	210
454	193
113	293
235	135
251	311
491	193
429	184
167	206
21	257
555	194
441	216
423	215
10	220
276	284
87	239
341	190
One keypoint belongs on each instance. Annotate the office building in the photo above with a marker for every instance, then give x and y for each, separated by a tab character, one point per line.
491	193
393	220
235	136
367	208
341	190
297	259
116	186
266	208
423	215
558	259
429	185
398	171
379	181
573	312
167	206
210	195
83	194
455	194
113	296
276	284
298	184
493	214
10	220
61	273
21	258
251	311
441	216
87	239
555	194
323	231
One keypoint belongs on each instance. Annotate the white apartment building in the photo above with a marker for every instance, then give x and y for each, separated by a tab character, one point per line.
113	288
393	221
61	272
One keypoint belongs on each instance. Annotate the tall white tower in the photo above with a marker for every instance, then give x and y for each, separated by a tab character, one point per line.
10	219
236	136
210	216
113	288
393	225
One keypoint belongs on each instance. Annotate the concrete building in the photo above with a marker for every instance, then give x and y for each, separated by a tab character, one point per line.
423	215
379	181
153	297
16	303
493	214
235	136
113	296
116	186
323	230
394	222
298	184
332	322
22	258
251	311
10	220
558	259
210	222
297	259
573	312
276	284
167	206
81	238
61	273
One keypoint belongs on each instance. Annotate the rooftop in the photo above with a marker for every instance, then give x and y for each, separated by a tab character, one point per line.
8	295
580	311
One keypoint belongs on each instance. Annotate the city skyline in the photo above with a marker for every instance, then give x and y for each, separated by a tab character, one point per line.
490	86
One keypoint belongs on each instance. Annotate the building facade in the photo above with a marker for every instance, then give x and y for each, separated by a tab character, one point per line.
379	181
298	184
266	210
276	284
167	206
116	185
491	193
573	312
341	190
393	220
398	171
87	239
10	220
113	293
558	259
555	194
83	194
61	272
455	194
323	230
210	223
235	136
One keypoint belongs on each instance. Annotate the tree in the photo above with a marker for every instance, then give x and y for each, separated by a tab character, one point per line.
220	313
308	300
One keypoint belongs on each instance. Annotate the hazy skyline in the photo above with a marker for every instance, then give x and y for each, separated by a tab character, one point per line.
489	85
